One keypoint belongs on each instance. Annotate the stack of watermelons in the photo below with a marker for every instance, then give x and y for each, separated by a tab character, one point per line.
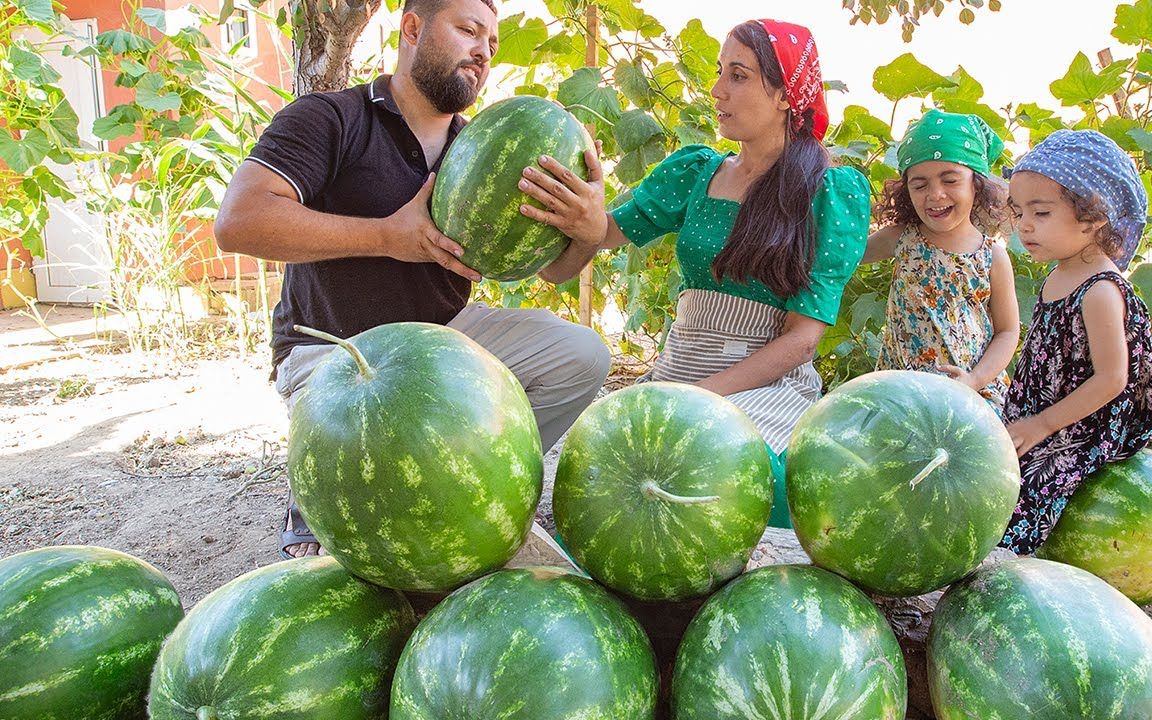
415	458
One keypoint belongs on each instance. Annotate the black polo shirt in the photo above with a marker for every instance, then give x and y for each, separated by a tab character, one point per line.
352	153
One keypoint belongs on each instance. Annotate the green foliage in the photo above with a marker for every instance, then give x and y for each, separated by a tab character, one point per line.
37	123
908	77
909	12
191	122
1083	87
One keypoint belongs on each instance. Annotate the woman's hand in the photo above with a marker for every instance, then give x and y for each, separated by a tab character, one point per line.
571	205
1028	432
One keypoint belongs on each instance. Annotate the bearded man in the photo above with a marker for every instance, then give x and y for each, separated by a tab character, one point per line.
338	188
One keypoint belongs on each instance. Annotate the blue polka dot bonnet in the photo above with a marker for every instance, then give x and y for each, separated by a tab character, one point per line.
1090	164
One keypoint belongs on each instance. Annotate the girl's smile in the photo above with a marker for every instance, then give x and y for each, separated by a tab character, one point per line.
943	194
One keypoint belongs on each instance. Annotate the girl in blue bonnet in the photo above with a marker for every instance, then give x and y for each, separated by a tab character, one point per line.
1082	391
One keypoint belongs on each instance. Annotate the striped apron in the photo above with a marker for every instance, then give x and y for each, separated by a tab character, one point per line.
712	332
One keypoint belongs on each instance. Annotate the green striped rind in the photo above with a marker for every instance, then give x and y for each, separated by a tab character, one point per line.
425	476
534	644
1106	528
789	641
80	628
691	443
1030	639
852	461
476	201
297	640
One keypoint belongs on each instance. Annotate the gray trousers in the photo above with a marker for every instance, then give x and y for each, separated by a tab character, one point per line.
561	365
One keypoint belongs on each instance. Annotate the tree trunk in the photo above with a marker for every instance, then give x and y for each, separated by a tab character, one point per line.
325	32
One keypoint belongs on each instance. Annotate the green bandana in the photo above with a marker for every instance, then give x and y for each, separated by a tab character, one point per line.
962	139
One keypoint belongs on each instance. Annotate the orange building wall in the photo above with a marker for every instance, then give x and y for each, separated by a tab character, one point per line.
16	277
270	63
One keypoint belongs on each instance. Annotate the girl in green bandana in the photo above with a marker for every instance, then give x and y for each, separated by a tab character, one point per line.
952	303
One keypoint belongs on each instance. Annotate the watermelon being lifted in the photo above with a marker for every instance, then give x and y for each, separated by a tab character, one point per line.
476	201
901	481
80	628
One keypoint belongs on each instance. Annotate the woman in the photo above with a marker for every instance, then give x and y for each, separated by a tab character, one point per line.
768	237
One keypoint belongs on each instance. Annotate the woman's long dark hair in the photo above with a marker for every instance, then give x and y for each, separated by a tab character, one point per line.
774	237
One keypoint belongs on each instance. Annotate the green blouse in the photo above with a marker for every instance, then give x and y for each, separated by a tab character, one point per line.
674	198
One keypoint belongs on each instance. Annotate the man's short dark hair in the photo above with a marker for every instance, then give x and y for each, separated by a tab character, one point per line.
430	8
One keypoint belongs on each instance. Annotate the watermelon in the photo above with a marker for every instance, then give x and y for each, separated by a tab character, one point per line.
415	457
901	481
1106	528
476	201
789	641
296	640
527	644
663	490
1030	639
80	628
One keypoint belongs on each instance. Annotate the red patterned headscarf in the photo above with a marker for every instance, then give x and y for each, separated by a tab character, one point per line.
800	66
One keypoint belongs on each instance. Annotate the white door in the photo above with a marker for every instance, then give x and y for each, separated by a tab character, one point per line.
75	265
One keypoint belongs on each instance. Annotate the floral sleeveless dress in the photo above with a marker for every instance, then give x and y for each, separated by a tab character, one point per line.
938	310
1054	361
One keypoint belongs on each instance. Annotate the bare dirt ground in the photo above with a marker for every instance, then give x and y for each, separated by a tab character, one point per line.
155	461
178	463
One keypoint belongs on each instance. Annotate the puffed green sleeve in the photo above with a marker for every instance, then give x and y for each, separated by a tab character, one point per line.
658	203
842	210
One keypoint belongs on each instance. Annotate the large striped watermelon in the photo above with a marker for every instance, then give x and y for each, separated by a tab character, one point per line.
789	641
80	628
476	201
901	481
297	640
1030	639
1106	528
663	490
421	468
532	644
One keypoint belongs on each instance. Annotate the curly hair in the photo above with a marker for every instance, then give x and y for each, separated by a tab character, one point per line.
1094	209
989	205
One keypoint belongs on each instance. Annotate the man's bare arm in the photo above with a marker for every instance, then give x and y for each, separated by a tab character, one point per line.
262	216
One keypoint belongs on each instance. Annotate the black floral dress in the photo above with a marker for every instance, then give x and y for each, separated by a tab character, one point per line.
1053	362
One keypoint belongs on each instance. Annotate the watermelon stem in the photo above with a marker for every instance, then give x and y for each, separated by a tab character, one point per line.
940	460
365	369
206	713
651	489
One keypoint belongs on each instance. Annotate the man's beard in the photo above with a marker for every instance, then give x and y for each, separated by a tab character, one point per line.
437	77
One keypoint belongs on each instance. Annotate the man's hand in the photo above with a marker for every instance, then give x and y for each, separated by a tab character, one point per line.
571	205
417	239
1027	433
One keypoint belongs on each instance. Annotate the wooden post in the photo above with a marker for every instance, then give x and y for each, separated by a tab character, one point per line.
591	59
1120	97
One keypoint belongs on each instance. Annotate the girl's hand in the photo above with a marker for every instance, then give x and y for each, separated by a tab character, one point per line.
571	205
959	374
1027	433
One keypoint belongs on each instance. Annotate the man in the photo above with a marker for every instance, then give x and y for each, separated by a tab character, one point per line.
338	188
